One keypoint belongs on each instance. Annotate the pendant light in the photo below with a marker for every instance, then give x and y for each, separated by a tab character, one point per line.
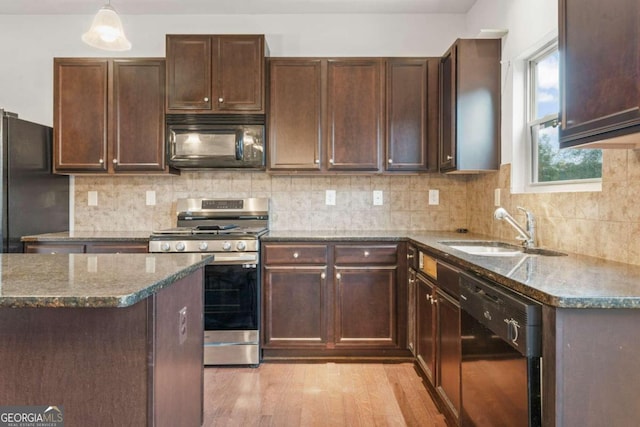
106	31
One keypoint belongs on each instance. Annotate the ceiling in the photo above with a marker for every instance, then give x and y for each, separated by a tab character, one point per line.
214	7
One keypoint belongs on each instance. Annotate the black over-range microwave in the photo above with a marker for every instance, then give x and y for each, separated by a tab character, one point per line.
207	141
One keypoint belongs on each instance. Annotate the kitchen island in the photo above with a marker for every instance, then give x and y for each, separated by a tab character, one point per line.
114	339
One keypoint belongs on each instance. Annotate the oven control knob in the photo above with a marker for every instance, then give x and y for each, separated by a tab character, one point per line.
203	246
180	246
241	246
165	247
226	246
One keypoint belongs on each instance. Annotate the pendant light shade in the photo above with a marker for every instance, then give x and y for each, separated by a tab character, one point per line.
106	31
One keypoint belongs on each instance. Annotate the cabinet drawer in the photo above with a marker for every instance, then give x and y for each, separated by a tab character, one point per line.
448	279
367	254
295	254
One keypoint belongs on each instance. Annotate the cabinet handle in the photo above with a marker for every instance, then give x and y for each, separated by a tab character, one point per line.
323	276
296	255
101	161
338	276
220	100
366	254
390	161
449	158
206	99
409	256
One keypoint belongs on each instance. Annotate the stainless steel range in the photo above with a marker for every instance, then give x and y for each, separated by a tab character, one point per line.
229	229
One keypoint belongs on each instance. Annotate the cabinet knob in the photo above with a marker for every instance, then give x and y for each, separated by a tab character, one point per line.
366	254
206	99
220	100
101	161
296	255
323	276
338	276
317	161
390	161
115	161
449	158
331	161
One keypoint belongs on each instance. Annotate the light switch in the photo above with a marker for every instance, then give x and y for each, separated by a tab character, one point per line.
330	197
151	198
434	197
496	197
377	198
92	198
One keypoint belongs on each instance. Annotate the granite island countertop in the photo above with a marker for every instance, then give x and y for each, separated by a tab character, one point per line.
572	281
89	280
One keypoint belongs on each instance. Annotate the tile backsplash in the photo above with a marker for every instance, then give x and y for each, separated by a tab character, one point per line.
603	224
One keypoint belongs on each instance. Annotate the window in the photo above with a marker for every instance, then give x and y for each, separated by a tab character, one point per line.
549	164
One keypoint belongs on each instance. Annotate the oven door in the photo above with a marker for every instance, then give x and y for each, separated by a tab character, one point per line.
230	297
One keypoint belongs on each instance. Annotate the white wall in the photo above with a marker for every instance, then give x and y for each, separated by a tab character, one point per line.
31	42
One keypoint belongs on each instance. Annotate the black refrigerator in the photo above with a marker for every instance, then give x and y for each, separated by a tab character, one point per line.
34	201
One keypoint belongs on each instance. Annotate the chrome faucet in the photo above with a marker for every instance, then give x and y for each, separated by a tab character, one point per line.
527	236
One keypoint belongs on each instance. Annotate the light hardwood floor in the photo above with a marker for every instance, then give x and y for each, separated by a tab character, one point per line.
318	394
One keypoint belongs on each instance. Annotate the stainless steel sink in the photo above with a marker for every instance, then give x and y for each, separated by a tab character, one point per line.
496	248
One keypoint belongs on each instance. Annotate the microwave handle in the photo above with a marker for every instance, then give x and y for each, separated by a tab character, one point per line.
239	145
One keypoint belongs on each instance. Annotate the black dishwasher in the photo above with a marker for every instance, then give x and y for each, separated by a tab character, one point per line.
501	340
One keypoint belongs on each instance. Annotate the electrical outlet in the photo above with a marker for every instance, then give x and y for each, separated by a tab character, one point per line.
496	197
151	198
330	197
377	198
92	198
434	197
182	325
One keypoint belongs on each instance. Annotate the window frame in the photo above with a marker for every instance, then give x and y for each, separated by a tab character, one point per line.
529	184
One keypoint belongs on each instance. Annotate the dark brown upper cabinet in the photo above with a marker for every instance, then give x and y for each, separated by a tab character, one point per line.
354	113
295	114
599	73
215	73
109	115
325	115
470	106
412	114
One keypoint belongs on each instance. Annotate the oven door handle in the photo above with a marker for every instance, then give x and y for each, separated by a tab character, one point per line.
235	259
239	145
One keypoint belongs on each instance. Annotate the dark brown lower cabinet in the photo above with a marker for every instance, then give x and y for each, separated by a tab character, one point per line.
335	299
365	305
426	327
449	352
295	307
82	246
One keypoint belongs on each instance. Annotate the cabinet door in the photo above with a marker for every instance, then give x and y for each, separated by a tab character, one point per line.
366	312
426	327
447	111
80	115
355	125
138	115
295	114
600	69
294	301
54	248
189	76
449	354
238	71
412	127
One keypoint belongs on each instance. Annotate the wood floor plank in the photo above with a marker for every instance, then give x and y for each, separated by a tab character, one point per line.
318	395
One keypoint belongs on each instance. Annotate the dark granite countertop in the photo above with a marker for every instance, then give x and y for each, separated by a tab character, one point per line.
572	281
89	280
88	236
